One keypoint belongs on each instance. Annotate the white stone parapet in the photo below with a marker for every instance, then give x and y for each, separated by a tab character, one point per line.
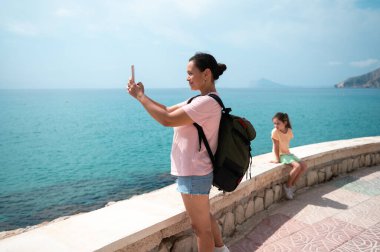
157	221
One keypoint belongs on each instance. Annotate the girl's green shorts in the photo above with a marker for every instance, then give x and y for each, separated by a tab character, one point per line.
288	158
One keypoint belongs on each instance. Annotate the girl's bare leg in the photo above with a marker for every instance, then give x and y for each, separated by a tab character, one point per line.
298	169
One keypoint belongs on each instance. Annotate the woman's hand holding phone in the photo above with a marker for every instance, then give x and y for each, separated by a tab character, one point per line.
135	90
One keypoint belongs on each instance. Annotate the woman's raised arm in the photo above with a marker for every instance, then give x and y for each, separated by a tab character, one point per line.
170	117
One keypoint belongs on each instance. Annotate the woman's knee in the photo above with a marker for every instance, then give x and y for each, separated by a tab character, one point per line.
201	226
201	230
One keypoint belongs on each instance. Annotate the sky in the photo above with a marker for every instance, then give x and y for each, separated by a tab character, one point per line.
91	44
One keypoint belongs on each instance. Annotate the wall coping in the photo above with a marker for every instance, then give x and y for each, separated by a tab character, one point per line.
126	222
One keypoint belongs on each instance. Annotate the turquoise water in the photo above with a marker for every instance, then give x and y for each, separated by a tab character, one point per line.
69	151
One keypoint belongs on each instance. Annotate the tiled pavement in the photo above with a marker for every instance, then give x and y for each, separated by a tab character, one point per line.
341	215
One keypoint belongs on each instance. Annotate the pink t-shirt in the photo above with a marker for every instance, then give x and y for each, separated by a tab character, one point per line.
186	159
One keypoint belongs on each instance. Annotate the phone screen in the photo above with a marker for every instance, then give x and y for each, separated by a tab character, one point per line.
133	73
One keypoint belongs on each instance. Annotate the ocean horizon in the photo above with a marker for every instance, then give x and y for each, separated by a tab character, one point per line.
65	151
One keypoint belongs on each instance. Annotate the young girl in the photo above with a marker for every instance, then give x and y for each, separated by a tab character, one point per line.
191	166
281	136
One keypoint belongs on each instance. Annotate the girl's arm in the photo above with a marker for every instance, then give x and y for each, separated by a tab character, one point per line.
276	150
169	117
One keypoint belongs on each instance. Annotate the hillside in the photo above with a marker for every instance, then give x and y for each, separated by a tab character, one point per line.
266	84
368	80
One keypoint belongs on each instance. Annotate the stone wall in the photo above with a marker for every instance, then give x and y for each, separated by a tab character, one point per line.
156	221
257	194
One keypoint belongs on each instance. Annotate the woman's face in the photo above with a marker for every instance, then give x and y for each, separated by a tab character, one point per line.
278	124
194	76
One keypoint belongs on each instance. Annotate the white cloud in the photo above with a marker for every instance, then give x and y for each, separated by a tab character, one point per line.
23	29
64	12
193	8
364	63
164	8
177	35
166	20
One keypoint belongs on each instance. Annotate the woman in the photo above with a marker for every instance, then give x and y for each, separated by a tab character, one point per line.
190	163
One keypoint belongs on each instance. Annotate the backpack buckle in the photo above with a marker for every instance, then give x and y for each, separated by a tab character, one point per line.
227	111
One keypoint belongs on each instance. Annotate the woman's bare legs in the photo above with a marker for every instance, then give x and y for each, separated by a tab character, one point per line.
218	240
205	226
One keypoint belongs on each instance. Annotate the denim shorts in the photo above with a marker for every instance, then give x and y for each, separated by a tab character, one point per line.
195	184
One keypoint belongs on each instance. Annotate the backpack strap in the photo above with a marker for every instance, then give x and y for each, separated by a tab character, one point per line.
201	133
192	98
217	98
202	136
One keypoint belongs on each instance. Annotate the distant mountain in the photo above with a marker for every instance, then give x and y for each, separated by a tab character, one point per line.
368	80
266	84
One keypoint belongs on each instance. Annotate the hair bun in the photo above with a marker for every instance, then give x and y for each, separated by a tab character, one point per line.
221	68
204	60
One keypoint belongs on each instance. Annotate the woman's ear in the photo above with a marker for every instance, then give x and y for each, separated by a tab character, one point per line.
207	74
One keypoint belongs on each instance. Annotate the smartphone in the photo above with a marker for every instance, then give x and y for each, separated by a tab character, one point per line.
133	72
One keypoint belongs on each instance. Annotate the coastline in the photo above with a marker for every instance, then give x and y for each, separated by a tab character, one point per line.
261	166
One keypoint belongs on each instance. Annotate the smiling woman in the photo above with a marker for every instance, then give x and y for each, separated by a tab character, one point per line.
190	162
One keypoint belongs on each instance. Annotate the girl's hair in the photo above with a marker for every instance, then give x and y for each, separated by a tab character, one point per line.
204	60
283	117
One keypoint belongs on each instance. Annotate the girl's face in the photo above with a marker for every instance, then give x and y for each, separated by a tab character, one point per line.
194	76
279	124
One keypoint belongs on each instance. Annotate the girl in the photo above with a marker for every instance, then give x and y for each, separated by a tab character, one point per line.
191	166
281	136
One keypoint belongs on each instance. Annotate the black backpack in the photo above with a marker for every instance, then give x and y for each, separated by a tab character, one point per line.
233	154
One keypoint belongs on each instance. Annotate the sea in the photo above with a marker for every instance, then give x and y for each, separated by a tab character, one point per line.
68	151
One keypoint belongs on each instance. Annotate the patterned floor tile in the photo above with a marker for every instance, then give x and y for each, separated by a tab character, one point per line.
269	230
273	228
344	199
287	229
367	174
275	247
308	213
364	214
321	202
343	214
323	236
316	193
311	214
368	187
369	240
244	245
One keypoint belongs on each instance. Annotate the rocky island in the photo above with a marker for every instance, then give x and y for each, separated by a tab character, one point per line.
368	80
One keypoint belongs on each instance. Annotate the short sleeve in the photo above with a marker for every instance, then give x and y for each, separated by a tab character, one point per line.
291	133
180	105
202	109
275	135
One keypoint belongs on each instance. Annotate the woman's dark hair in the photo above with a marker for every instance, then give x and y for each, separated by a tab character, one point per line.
204	60
283	117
